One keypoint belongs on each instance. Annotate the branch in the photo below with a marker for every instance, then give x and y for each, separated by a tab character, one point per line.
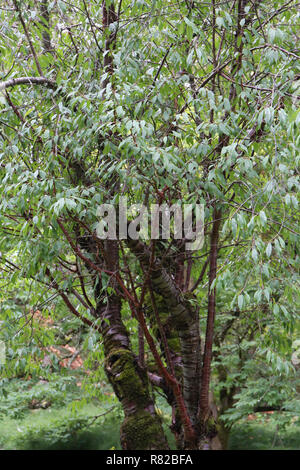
92	27
69	304
45	21
207	358
200	276
273	46
161	65
266	409
18	10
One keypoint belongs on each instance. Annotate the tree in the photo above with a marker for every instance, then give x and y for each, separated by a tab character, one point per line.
161	102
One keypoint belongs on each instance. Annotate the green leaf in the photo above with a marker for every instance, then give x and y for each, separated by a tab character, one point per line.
263	217
254	254
269	250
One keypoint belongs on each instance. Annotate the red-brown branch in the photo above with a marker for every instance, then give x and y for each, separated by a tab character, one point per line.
69	304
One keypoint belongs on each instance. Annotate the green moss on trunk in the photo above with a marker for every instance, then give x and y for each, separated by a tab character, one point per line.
142	431
142	427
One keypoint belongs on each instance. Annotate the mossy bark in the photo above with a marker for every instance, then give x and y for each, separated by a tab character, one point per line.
183	317
142	427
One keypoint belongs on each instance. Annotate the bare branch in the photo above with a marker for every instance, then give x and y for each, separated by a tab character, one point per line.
28	81
18	10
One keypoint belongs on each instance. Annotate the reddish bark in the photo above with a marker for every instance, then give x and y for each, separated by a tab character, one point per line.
207	358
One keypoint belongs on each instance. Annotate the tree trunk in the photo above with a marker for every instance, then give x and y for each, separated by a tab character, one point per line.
223	435
142	427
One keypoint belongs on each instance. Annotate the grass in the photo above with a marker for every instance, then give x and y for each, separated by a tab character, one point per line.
54	429
57	428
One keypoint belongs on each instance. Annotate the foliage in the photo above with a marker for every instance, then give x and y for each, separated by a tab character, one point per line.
18	396
262	435
61	430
